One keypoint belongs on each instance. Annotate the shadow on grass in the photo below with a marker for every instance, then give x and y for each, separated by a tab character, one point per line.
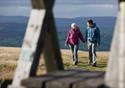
101	65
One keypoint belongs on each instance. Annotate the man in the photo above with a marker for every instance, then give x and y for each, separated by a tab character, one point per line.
93	40
72	40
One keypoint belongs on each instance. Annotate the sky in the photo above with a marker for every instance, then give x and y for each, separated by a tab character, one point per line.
63	8
15	7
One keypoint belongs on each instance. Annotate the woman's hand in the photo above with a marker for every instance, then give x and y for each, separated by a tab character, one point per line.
65	44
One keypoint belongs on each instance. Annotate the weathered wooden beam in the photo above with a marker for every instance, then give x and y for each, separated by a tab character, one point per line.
38	4
52	56
115	75
66	79
121	76
51	50
40	33
112	68
29	48
43	4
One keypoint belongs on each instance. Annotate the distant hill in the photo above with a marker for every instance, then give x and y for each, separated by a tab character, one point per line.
12	30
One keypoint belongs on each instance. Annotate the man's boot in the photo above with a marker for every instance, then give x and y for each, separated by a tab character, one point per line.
94	64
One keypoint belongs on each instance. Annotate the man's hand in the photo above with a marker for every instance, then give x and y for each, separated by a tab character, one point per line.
84	41
98	44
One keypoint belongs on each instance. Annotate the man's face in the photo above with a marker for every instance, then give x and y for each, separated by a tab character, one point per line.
89	24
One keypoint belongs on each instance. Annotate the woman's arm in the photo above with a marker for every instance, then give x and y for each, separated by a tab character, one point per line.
81	37
67	39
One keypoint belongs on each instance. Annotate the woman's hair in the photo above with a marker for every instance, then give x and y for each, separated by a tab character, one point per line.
90	21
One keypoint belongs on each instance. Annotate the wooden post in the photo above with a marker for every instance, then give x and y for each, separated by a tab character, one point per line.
40	33
51	51
115	76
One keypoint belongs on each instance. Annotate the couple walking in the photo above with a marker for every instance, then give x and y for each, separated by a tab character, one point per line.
92	38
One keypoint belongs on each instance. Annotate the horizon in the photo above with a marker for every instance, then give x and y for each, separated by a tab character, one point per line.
64	17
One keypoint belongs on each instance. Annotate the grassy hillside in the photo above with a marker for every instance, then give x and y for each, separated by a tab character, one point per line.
9	57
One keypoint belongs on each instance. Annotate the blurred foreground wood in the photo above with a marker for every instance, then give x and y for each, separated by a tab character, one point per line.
67	79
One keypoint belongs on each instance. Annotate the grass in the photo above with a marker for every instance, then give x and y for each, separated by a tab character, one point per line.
83	61
9	57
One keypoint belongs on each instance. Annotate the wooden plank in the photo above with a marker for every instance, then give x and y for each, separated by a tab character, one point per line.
40	82
36	82
66	79
88	74
91	80
65	82
96	82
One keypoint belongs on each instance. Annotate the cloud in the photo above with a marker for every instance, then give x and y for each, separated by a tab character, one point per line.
86	1
63	8
85	10
15	11
75	8
15	7
15	3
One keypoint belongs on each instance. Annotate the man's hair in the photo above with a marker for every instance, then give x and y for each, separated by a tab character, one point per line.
90	21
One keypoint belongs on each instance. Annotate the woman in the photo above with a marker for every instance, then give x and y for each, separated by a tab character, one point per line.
72	40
